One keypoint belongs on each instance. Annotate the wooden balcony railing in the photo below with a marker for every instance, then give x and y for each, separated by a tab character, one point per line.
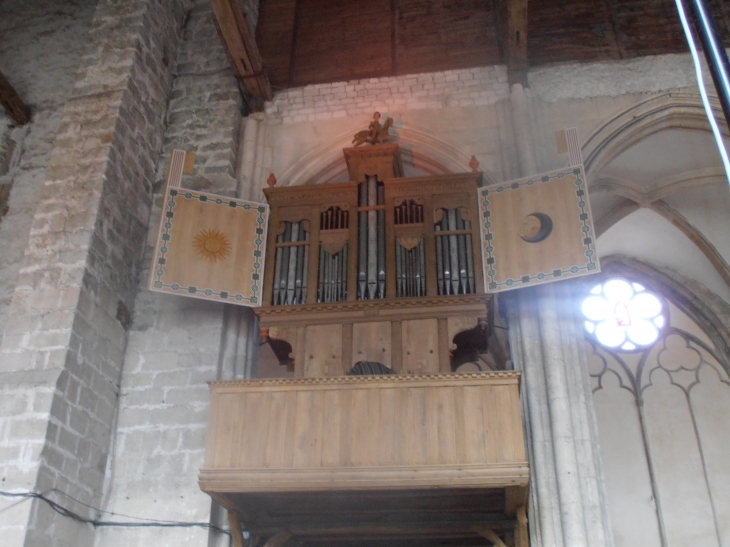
435	435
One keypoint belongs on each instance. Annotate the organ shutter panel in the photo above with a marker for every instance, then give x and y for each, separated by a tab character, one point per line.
209	246
536	230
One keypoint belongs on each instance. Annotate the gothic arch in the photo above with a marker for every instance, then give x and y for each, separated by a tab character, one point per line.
671	110
419	147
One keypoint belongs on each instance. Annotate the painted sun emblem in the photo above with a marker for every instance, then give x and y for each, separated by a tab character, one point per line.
212	245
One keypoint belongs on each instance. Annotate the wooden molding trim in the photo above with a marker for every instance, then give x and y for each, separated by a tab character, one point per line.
13	104
364	478
356	382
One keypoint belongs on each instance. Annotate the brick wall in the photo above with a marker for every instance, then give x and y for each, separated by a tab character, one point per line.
467	87
63	347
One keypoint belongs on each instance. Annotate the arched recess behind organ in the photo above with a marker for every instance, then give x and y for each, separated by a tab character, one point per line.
671	110
419	148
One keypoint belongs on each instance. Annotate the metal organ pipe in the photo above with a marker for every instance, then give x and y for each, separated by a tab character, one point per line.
291	263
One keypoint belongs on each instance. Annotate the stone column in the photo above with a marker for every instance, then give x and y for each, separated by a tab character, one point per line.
568	502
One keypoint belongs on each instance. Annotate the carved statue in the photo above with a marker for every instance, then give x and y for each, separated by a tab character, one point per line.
375	134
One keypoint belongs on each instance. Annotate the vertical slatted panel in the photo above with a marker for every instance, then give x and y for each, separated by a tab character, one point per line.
291	420
447	427
331	428
302	426
345	427
431	424
508	398
404	427
279	426
359	416
308	429
387	427
416	418
460	424
492	438
370	441
226	407
474	425
255	424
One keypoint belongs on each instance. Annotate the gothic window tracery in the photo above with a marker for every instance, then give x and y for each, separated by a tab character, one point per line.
662	410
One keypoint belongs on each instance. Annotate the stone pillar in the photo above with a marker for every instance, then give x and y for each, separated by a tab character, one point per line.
568	501
62	350
247	159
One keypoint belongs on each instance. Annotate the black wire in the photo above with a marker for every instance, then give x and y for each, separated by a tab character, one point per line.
97	523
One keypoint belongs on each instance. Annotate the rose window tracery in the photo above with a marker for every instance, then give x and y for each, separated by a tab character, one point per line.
624	315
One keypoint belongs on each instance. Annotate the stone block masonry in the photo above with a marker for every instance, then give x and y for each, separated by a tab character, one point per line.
174	342
465	87
62	350
41	61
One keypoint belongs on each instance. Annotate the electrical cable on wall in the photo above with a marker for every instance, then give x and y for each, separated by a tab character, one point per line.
703	91
148	523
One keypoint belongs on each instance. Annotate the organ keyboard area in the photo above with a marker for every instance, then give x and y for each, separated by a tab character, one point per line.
379	249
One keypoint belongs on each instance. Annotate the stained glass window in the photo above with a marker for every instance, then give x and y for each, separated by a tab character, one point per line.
623	315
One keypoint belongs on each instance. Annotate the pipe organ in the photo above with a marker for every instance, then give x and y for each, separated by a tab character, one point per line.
382	268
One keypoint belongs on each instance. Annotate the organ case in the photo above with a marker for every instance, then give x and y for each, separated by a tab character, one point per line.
381	268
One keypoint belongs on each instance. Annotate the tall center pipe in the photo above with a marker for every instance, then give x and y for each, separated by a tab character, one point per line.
372	238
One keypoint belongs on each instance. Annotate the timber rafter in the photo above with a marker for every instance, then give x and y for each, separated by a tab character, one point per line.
513	37
13	104
243	53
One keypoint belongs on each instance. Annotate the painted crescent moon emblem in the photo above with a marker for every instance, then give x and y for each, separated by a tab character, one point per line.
535	227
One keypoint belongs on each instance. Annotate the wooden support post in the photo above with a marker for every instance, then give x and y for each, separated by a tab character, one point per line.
489	534
236	532
513	35
11	101
278	539
522	539
243	53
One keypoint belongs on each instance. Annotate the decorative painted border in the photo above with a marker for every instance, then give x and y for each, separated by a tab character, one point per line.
590	266
165	236
369	379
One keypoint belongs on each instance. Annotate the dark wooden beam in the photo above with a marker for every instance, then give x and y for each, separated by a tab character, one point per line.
243	53
13	104
513	31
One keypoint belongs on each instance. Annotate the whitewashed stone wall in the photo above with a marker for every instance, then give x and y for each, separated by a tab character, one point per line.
465	87
63	346
40	60
174	342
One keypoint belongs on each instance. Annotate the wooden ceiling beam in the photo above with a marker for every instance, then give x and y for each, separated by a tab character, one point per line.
240	44
13	104
513	30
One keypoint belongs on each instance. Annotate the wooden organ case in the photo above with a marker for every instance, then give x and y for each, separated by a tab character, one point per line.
380	269
381	273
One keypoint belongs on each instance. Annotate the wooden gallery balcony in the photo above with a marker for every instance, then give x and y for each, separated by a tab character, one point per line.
426	460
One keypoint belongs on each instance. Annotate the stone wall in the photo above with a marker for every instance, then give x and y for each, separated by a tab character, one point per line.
63	347
174	343
40	48
465	87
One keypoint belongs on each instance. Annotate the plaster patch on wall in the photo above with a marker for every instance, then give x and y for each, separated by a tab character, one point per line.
612	79
436	90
